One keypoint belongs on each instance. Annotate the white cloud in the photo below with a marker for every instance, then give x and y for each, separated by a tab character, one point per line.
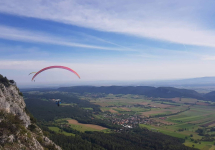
208	58
168	20
18	34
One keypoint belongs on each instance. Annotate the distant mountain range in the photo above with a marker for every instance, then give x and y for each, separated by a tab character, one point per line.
165	89
201	81
164	92
192	82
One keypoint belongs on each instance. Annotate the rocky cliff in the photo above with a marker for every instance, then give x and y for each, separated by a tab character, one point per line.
17	130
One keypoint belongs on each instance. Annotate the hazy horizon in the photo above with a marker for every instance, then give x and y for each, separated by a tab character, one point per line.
192	83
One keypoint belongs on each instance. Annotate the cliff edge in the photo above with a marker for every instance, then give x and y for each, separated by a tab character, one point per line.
17	128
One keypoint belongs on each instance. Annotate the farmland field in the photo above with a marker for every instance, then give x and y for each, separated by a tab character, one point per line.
57	130
74	124
85	127
178	117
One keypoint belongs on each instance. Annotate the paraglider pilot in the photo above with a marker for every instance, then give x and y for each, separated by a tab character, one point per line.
58	103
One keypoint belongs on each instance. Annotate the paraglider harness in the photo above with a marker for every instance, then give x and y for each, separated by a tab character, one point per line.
58	103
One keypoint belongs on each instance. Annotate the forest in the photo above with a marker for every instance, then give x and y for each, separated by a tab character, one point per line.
140	139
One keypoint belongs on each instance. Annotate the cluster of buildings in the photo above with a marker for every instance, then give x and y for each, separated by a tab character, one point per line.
131	121
126	120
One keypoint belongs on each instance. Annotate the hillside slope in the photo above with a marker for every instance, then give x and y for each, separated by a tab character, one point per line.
165	92
210	96
17	128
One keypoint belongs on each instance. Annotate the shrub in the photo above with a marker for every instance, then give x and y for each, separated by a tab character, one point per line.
40	139
11	123
4	80
20	93
32	127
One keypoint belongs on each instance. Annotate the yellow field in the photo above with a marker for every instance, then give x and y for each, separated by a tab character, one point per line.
75	122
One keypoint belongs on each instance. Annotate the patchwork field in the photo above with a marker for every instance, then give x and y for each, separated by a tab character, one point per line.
85	127
178	117
186	123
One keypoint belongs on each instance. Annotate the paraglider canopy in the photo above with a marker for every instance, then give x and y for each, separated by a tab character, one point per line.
32	72
51	67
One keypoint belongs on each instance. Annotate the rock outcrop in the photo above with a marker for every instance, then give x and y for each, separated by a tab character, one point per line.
12	102
16	129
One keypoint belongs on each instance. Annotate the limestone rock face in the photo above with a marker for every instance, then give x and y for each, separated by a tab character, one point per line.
12	102
14	123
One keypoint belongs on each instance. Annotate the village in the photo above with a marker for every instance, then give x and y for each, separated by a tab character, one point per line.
129	121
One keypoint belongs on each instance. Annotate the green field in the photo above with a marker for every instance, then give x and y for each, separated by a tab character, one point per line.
63	120
57	130
88	108
163	130
65	104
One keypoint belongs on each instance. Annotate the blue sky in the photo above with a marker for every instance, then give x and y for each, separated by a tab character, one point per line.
107	40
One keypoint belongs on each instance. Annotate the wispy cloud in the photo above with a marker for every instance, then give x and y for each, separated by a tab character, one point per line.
166	20
109	42
141	55
18	34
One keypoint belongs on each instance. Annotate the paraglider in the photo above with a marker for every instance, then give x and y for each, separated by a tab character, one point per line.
32	72
51	67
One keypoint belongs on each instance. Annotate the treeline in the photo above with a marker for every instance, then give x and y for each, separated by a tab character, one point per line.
165	92
210	96
71	142
49	111
140	139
